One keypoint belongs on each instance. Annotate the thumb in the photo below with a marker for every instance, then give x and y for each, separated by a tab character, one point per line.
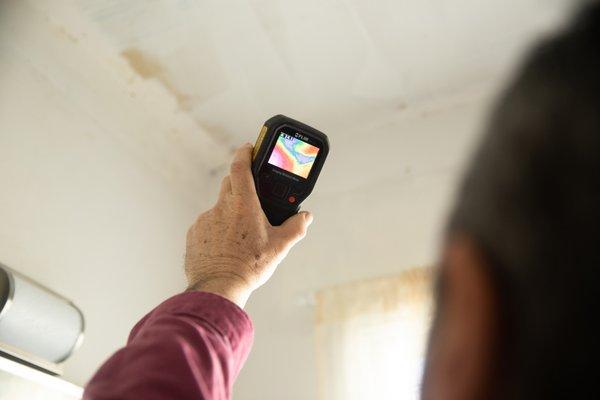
295	227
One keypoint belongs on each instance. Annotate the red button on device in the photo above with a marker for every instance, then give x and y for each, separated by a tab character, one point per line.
292	199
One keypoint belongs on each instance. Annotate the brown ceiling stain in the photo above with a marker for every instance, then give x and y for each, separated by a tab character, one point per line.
148	67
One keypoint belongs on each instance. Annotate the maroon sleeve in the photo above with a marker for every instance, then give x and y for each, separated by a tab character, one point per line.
192	346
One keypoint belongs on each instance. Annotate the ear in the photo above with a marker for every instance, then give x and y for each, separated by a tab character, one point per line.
461	354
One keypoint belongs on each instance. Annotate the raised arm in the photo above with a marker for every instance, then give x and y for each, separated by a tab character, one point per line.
193	345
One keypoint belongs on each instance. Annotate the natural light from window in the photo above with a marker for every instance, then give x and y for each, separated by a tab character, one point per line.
371	338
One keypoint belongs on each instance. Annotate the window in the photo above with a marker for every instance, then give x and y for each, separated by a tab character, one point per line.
371	337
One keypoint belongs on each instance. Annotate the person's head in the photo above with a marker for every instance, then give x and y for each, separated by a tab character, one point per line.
516	296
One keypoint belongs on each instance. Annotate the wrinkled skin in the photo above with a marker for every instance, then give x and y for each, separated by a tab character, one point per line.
232	249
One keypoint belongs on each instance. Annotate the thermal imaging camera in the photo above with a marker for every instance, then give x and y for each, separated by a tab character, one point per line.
286	162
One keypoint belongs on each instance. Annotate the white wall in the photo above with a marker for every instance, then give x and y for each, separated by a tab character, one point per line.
100	175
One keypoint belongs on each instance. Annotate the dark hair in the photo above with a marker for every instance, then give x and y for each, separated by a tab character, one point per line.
531	201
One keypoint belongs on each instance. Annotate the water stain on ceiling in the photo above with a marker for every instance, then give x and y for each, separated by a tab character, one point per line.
150	68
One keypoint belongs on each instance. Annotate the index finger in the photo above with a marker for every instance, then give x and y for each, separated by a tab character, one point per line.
242	181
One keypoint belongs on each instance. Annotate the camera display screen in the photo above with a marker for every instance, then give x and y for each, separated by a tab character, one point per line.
293	155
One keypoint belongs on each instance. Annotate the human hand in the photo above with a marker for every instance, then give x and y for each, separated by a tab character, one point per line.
232	249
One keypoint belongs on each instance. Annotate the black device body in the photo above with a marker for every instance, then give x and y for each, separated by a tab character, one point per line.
283	183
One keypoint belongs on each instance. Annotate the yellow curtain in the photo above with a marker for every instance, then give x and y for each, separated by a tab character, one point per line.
371	335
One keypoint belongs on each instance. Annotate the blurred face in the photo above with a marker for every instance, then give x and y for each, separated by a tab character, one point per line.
460	358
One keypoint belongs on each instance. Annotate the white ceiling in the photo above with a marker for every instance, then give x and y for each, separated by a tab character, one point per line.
334	63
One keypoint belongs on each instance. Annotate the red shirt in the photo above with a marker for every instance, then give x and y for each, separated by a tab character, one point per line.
192	346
